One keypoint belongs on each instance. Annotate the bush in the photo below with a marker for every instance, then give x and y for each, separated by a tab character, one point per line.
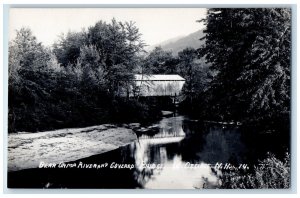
270	173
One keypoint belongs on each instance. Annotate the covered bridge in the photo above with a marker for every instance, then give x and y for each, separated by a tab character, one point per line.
158	85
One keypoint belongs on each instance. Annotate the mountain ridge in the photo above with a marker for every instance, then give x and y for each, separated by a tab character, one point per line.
179	43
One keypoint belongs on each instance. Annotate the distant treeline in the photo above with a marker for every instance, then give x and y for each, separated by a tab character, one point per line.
241	73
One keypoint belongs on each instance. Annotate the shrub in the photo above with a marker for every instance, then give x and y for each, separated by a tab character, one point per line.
269	173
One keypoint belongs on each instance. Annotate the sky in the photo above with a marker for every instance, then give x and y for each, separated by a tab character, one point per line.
155	24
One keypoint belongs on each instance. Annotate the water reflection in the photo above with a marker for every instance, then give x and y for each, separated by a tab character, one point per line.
177	153
162	160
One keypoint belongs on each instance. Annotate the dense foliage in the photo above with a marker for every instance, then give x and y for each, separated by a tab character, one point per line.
250	51
241	73
109	51
76	84
159	61
270	173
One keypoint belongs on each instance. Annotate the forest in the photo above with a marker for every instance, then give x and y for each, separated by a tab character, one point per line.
241	73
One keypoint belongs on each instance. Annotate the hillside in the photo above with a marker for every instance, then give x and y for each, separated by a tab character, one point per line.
179	43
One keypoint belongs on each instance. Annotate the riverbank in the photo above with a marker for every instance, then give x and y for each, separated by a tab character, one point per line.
28	150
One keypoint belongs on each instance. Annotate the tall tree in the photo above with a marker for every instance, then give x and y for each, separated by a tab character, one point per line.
115	50
250	50
32	76
29	60
118	45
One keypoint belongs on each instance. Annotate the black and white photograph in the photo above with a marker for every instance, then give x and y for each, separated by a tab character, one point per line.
149	98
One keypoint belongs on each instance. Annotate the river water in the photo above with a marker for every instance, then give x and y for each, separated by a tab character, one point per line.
179	154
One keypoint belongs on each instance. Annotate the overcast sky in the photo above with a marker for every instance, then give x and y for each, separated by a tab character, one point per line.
155	24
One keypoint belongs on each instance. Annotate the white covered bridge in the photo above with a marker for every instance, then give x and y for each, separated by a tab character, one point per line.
157	85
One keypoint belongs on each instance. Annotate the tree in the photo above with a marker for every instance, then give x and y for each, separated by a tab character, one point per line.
113	47
118	45
197	77
81	82
269	69
92	72
250	51
194	70
67	48
29	61
31	78
160	62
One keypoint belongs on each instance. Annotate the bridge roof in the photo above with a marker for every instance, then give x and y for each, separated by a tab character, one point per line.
158	77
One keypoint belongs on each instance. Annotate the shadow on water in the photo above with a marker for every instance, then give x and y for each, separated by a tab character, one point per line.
177	155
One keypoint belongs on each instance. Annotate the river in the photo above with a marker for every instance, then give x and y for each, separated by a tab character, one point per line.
179	153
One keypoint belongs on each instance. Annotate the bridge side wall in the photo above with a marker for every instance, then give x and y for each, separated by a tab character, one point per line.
159	88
